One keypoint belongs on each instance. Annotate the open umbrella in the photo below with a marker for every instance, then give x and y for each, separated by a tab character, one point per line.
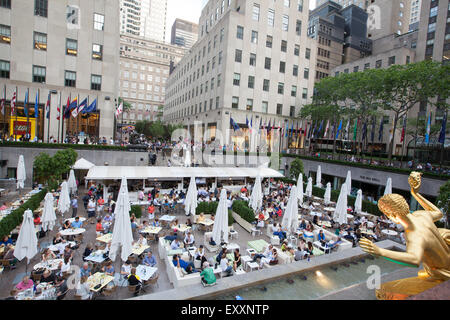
319	177
64	198
221	219
21	174
256	198
72	182
26	244
358	202
309	188
190	203
348	182
340	214
300	188
122	235
327	196
290	217
388	189
48	214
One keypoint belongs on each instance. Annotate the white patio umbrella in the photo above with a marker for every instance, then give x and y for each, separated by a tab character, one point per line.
122	235
187	158
221	219
388	189
319	177
26	244
190	203
327	196
72	182
348	182
64	198
300	188
105	193
340	214
21	174
256	198
358	202
309	188
290	216
48	214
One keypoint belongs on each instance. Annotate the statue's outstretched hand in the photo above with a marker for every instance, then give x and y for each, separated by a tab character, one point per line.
369	247
414	180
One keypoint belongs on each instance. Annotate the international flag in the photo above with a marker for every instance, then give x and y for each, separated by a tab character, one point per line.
268	127
402	138
309	131
306	129
246	121
91	108
380	133
13	103
292	130
374	119
58	112
25	104
36	106
70	106
2	106
325	134
347	128
80	108
260	125
355	130
443	128
119	110
364	134
251	124
320	128
427	134
47	107
339	129
286	129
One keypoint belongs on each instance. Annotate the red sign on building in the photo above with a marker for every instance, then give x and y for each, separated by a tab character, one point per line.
20	127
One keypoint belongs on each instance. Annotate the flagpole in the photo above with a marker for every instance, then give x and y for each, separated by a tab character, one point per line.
48	121
59	121
404	139
15	110
37	116
4	113
98	119
443	143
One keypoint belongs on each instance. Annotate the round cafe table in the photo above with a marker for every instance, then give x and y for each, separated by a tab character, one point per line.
389	232
350	216
72	232
316	214
330	209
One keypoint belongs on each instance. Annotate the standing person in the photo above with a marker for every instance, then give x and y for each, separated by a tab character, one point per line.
74	204
100	205
91	209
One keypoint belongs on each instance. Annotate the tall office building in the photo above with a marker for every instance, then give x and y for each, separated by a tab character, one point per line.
184	33
363	4
390	16
144	18
144	69
253	60
416	5
59	51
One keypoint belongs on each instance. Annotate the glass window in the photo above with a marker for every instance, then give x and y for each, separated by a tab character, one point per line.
39	74
269	41
235	102
295	70
4	69
279	108
391	60
283	45
97	51
306	73
280	87
5	34
267	63
305	93
298	27
237	79
285	24
294	91
251	82
219	76
71	47
265	106
287	3
300	5
308	53
254	36
99	21
256	10
271	17
249	106
239	32
378	64
70	78
5	4
282	67
40	41
266	84
297	50
253	59
238	55
96	82
433	11
292	111
41	8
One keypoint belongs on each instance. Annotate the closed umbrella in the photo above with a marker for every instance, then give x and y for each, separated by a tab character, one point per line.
327	196
348	182
187	159
221	219
21	174
309	188
340	214
26	244
72	183
122	235
256	198
48	214
358	202
290	217
64	198
388	189
319	177
190	203
300	188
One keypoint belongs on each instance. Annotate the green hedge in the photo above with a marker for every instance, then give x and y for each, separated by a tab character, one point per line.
242	209
137	211
11	221
20	144
211	208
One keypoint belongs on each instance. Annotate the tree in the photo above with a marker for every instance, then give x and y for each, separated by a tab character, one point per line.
51	169
443	200
126	105
296	168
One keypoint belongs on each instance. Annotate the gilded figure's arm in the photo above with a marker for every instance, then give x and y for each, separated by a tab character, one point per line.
415	181
413	254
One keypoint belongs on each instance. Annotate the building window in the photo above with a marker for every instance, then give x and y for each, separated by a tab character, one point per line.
391	60
294	91
280	87
235	103
41	8
271	17
254	36
292	111
266	85
308	53
251	82
256	10
269	41
70	78
265	106
217	102
96	82
285	23
253	59
305	93
300	5
219	76
97	51
298	27
240	32
297	50
249	106
408	59
99	22
40	41
378	64
295	70
279	108
5	34
237	79
283	45
306	73
39	74
287	3
356	69
4	69
434	11
367	66
282	66
71	47
267	63
5	4
220	58
238	56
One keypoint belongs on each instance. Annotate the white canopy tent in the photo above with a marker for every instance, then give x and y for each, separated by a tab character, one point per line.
82	164
358	202
309	188
72	182
348	182
64	198
290	217
26	244
48	214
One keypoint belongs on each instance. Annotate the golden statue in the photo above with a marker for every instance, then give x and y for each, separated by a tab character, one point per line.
425	244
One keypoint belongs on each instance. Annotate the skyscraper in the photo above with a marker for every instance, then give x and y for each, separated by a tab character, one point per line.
184	33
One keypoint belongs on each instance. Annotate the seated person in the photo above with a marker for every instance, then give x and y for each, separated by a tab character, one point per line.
321	237
48	255
108	269
274	257
85	271
149	260
207	275
9	255
266	253
299	254
25	284
200	254
222	253
187	266
189	223
279	232
309	249
99	227
303	225
64	267
83	290
175	244
61	289
237	259
156	223
66	225
126	269
87	251
142	241
48	277
77	223
134	280
333	244
189	240
266	259
5	241
57	238
68	253
201	218
224	265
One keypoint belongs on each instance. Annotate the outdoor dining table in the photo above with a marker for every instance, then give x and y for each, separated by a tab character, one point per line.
350	216
139	249
308	235
47	292
318	214
145	272
55	247
72	231
330	209
316	204
324	223
368	232
207	222
182	228
51	265
152	230
167	219
106	238
389	232
99	279
96	256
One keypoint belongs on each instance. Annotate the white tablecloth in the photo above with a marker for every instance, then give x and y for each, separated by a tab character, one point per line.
145	272
72	232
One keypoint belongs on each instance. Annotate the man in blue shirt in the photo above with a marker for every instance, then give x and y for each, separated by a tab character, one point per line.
74	203
149	260
85	271
77	223
187	266
175	244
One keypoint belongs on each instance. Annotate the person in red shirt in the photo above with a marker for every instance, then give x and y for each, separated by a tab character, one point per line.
99	226
37	219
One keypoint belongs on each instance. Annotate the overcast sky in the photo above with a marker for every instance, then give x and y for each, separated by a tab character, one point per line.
189	10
